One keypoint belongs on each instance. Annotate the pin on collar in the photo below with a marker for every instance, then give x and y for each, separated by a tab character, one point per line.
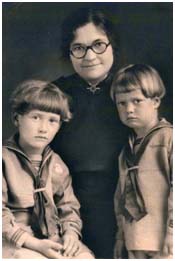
93	88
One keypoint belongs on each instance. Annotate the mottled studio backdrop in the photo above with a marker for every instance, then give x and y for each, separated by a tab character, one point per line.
31	43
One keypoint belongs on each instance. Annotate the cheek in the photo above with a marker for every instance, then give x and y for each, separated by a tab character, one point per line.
54	131
75	62
57	129
121	112
109	57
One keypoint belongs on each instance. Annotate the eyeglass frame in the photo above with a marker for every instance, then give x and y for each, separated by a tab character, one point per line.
90	47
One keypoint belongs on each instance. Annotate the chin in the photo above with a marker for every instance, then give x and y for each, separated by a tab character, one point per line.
94	77
38	146
132	126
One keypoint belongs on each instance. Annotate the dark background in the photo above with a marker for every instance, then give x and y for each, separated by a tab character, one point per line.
31	43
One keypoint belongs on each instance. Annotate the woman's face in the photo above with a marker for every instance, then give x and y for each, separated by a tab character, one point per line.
92	67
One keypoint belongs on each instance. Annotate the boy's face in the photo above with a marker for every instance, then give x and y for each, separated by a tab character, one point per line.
36	130
137	112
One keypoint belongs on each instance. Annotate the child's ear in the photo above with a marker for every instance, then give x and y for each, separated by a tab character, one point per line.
15	119
156	102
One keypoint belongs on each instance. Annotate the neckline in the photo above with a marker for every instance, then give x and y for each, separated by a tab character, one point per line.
137	141
93	88
98	82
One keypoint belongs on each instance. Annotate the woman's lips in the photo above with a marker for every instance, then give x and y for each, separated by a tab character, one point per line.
90	65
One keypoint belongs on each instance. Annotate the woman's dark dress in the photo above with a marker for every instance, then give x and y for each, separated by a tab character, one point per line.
89	144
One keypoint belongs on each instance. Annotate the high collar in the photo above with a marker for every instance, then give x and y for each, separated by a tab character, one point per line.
102	86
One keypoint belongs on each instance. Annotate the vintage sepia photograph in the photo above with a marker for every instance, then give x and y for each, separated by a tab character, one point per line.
87	130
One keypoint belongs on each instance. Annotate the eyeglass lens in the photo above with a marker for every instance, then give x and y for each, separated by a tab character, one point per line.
80	51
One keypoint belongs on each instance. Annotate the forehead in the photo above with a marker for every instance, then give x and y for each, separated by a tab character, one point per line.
129	95
89	33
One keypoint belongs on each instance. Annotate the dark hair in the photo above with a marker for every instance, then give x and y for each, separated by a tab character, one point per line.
80	18
40	95
138	76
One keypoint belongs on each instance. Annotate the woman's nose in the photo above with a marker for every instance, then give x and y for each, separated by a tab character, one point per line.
90	55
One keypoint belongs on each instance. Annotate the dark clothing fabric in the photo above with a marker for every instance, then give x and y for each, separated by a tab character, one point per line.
95	191
90	144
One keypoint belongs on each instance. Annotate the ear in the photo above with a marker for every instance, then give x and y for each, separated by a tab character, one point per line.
157	102
15	119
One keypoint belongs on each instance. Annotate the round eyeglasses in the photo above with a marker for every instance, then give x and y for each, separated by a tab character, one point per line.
79	51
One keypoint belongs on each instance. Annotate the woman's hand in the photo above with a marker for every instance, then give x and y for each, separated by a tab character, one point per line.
71	244
118	249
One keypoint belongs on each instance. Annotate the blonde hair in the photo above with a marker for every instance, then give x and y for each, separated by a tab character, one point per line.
138	76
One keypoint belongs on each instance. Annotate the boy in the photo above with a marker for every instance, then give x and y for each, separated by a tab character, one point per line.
143	200
40	212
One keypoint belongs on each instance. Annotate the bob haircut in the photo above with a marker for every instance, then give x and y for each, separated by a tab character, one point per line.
138	76
81	17
40	95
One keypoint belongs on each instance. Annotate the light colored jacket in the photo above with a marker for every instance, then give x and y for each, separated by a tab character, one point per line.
155	183
18	192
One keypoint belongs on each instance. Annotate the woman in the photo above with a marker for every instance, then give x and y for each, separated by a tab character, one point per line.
90	144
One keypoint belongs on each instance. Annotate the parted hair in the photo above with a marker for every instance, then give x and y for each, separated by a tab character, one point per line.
40	95
138	76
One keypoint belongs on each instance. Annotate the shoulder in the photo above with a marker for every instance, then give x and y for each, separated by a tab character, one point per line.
6	153
60	175
65	82
164	135
58	165
10	148
10	159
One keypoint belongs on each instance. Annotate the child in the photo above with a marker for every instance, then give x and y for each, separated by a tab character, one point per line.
40	212
143	200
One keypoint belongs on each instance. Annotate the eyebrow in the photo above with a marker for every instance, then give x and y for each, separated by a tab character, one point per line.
120	101
97	40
